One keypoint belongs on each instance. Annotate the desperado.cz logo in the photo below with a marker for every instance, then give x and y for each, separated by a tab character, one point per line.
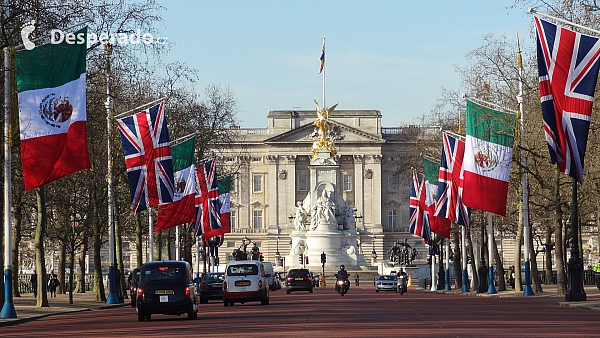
57	36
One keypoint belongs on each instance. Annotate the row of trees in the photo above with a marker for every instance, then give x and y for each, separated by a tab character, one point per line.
70	215
492	75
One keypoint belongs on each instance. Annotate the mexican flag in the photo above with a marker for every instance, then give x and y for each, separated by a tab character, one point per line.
182	209
52	110
488	154
439	225
225	201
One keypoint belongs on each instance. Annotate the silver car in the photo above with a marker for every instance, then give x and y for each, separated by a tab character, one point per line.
386	283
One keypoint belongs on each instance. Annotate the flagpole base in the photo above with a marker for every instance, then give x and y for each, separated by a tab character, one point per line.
447	288
465	281
491	287
8	309
527	290
112	295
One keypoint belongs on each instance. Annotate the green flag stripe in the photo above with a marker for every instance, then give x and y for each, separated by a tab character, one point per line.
51	65
183	154
431	170
490	125
225	185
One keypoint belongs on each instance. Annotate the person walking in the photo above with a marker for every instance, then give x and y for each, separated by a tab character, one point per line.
597	273
53	283
356	277
33	280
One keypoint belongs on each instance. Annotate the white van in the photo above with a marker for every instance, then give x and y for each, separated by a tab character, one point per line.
245	281
270	274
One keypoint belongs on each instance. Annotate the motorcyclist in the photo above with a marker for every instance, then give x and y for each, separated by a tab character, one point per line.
342	274
401	272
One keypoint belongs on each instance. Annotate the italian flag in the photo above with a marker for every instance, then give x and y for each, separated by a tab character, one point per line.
52	110
439	225
182	209
488	155
225	201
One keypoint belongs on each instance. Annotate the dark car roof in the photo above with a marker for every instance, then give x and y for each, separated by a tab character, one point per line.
162	263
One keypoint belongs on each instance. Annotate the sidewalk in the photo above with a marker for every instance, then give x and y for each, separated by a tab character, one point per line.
27	311
592	295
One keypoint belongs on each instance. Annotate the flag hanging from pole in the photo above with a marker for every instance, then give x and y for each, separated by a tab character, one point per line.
52	110
181	210
418	224
322	58
488	155
450	182
439	225
568	68
148	157
208	208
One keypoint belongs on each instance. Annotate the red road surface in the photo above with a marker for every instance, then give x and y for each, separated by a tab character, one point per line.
360	313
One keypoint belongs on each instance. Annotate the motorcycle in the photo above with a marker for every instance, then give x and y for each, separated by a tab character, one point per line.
402	284
342	285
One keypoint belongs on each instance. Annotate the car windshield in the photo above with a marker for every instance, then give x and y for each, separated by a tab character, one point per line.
162	273
298	273
242	269
214	277
387	277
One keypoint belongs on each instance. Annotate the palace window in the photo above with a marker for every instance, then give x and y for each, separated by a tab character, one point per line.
392	219
347	182
257	219
257	183
233	219
392	183
302	182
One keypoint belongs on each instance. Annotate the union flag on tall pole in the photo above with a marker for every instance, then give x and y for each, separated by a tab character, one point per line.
568	68
418	223
208	208
148	157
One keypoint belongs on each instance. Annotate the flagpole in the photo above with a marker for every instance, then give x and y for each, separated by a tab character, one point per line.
433	284
447	263
140	107
112	296
465	286
150	235
324	105
8	308
491	287
527	291
533	11
177	241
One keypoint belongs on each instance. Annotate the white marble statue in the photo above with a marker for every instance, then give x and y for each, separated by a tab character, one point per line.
300	218
323	212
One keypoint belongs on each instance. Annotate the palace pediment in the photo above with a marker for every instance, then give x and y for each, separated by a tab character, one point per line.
340	132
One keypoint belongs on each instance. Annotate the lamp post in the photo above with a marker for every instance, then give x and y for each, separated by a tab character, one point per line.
373	253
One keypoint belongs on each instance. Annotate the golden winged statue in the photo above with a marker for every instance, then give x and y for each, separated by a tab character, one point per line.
321	123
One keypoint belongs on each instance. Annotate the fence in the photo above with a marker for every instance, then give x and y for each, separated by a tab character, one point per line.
26	287
589	278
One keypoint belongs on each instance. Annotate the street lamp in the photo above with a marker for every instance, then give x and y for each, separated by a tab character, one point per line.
373	253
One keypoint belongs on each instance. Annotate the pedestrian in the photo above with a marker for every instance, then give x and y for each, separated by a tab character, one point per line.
356	277
33	281
511	278
597	272
53	283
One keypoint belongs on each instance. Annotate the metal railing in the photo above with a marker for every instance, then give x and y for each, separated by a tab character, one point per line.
26	287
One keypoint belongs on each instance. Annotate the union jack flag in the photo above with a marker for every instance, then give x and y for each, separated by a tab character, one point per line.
148	158
419	222
450	188
568	68
208	210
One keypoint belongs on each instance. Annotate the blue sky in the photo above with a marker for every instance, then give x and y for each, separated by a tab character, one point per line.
392	56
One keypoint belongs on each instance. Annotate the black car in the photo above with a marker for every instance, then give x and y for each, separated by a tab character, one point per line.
211	286
134	279
299	279
166	287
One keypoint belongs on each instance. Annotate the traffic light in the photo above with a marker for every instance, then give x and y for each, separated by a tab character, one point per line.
323	258
306	260
260	257
300	259
217	261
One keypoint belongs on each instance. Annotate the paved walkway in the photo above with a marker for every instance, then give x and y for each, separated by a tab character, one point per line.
27	311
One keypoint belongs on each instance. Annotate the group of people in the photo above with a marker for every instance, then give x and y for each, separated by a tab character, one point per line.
53	283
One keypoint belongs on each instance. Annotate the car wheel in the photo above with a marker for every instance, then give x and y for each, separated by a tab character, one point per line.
148	316
203	300
133	302
264	300
231	303
141	316
310	291
225	302
288	292
192	312
376	290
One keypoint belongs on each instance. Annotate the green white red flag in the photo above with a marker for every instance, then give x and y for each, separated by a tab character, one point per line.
52	110
488	155
438	225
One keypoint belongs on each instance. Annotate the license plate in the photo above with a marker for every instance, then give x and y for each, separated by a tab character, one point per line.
242	288
164	299
299	278
164	292
242	283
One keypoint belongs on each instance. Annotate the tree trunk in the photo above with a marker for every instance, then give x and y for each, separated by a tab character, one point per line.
187	244
15	249
98	277
40	260
536	283
2	259
457	257
71	273
120	265
158	246
474	277
168	248
62	263
518	252
138	239
499	267
561	277
81	272
548	256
